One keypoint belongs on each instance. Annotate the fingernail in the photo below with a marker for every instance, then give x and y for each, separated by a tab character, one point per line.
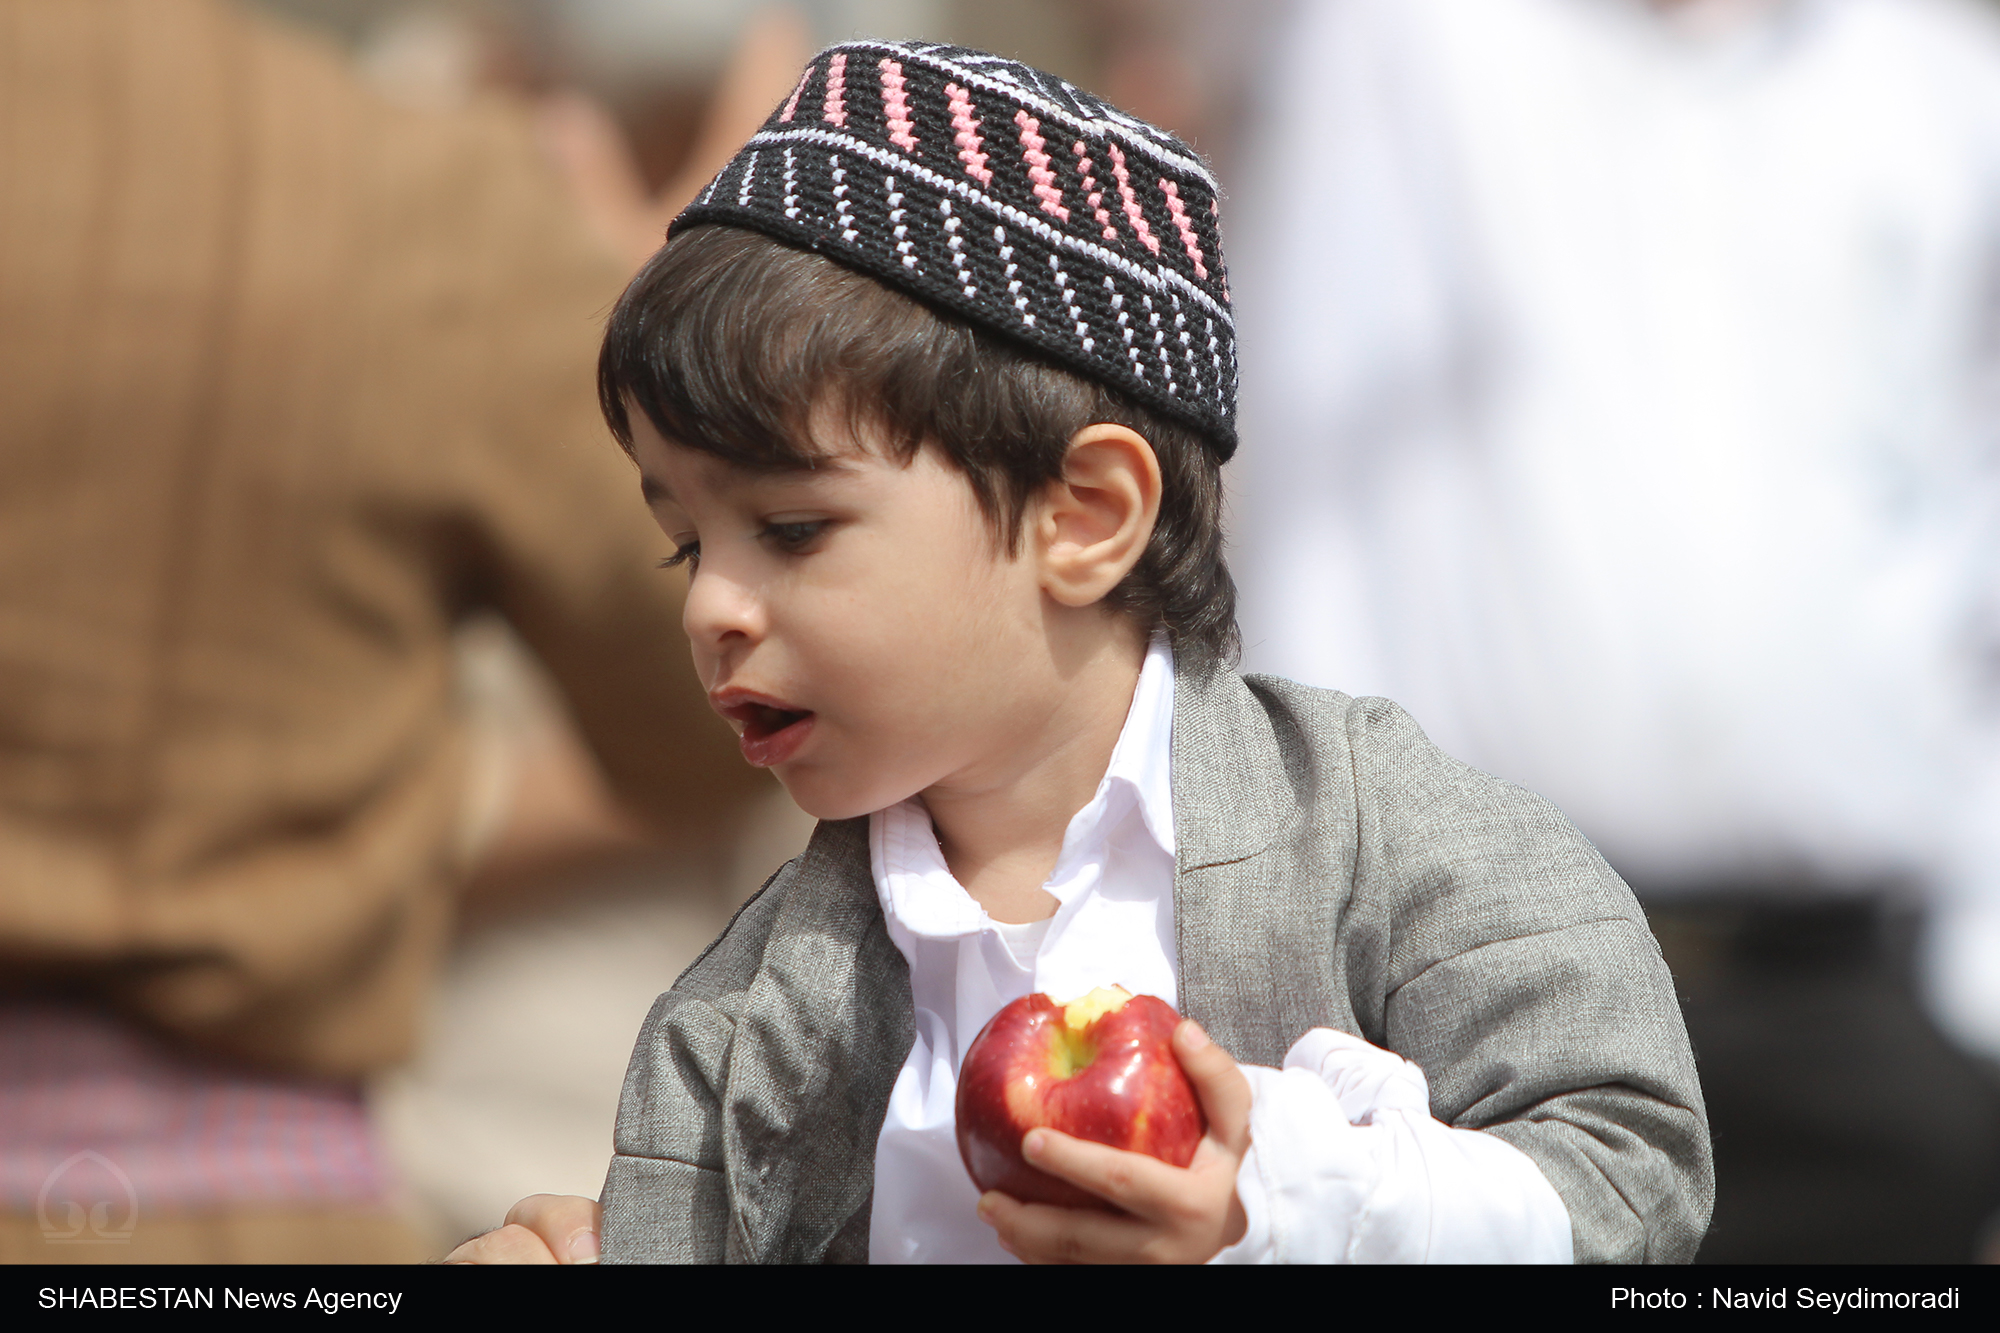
1035	1140
583	1248
1194	1036
986	1207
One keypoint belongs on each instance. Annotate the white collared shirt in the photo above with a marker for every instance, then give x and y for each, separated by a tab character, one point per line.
1346	1164
1114	926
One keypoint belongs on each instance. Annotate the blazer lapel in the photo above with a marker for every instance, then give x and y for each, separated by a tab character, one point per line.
1255	925
824	1028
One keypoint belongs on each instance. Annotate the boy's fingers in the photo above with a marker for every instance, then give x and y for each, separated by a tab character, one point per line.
1038	1234
1224	1092
567	1223
1141	1185
508	1245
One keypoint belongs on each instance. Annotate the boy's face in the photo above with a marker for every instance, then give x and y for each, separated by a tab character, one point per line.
857	623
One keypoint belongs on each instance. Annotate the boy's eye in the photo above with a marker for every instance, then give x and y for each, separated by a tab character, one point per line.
687	553
793	536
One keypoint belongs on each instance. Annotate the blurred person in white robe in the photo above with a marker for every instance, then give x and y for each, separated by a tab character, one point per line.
1620	399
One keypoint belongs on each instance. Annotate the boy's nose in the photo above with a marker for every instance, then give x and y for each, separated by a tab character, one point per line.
721	612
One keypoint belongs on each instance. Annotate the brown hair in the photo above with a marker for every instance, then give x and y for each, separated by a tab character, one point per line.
729	341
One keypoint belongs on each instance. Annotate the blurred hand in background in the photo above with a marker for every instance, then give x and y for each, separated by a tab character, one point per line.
595	156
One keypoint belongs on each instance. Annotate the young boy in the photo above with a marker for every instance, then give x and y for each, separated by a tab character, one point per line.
931	389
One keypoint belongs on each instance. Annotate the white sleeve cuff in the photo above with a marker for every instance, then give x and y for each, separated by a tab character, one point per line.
1347	1165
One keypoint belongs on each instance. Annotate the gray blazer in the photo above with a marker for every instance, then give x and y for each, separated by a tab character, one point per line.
1335	869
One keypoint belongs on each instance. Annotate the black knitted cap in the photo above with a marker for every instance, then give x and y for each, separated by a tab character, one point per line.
1010	199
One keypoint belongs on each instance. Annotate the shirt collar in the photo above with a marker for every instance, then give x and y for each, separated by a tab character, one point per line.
1143	757
917	889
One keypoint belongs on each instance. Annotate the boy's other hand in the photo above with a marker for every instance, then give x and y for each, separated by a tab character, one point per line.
1175	1214
540	1229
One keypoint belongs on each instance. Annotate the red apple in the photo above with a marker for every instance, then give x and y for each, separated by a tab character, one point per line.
1099	1068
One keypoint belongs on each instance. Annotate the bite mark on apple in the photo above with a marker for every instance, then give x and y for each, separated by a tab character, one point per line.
1080	1013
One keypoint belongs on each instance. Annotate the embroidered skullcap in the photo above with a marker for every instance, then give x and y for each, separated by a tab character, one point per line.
1011	199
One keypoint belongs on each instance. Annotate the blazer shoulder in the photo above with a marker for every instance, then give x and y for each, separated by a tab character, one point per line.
1252	756
1387	752
731	960
1332	724
1337	723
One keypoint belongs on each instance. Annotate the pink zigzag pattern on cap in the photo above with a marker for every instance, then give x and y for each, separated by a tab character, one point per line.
1093	196
1215	211
1038	165
1132	213
1186	228
896	106
966	127
792	103
836	91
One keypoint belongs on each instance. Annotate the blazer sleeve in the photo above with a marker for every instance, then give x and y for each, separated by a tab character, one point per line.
1522	977
665	1195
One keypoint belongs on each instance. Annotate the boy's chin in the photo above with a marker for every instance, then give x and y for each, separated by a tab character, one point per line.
825	800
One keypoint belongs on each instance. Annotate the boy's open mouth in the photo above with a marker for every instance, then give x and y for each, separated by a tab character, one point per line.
761	720
772	732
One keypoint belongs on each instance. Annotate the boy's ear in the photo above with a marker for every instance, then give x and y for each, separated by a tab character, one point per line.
1093	525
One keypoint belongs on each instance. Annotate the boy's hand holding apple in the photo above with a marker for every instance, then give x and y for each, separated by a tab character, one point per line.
1170	1213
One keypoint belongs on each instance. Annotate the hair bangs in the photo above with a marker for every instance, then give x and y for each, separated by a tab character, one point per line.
733	347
